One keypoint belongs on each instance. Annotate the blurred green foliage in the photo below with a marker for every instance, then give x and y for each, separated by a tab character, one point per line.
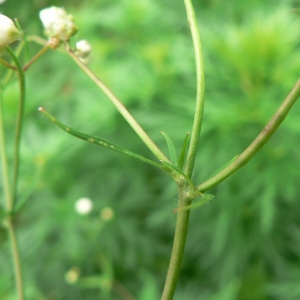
246	243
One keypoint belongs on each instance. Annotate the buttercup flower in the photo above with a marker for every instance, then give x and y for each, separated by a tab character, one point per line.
58	23
83	206
9	33
83	49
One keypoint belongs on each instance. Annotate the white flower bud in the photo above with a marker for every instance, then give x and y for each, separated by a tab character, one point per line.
8	32
83	206
83	49
58	23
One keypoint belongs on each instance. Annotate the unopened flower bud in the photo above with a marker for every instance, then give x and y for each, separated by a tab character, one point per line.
58	23
83	49
9	33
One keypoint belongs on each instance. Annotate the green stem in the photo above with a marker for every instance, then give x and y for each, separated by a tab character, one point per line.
182	222
121	108
7	64
38	55
181	230
19	124
16	258
258	143
191	156
11	70
5	173
9	207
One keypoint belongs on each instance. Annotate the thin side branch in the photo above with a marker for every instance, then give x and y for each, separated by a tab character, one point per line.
258	143
121	108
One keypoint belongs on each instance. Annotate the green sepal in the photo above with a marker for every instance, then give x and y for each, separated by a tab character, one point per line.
100	142
223	167
184	148
205	198
171	147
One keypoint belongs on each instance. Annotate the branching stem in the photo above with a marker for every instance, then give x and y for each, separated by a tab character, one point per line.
18	126
37	56
10	191
181	230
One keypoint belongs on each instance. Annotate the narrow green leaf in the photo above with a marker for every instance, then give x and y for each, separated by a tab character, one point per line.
184	148
171	147
204	199
100	142
223	167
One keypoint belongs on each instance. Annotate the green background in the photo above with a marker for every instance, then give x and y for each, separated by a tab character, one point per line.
245	245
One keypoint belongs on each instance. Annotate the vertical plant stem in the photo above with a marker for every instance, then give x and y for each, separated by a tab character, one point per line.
18	126
9	192
16	258
4	162
191	156
121	108
181	230
9	207
182	221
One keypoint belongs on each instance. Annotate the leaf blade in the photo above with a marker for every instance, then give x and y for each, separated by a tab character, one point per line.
98	141
171	148
182	156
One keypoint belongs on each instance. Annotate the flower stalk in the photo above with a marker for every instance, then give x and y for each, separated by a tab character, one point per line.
200	83
120	107
258	142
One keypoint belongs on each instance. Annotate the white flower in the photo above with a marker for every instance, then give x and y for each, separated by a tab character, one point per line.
58	23
83	49
2	1
83	206
8	32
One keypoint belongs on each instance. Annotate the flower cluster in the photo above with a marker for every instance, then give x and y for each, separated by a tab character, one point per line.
57	23
9	33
